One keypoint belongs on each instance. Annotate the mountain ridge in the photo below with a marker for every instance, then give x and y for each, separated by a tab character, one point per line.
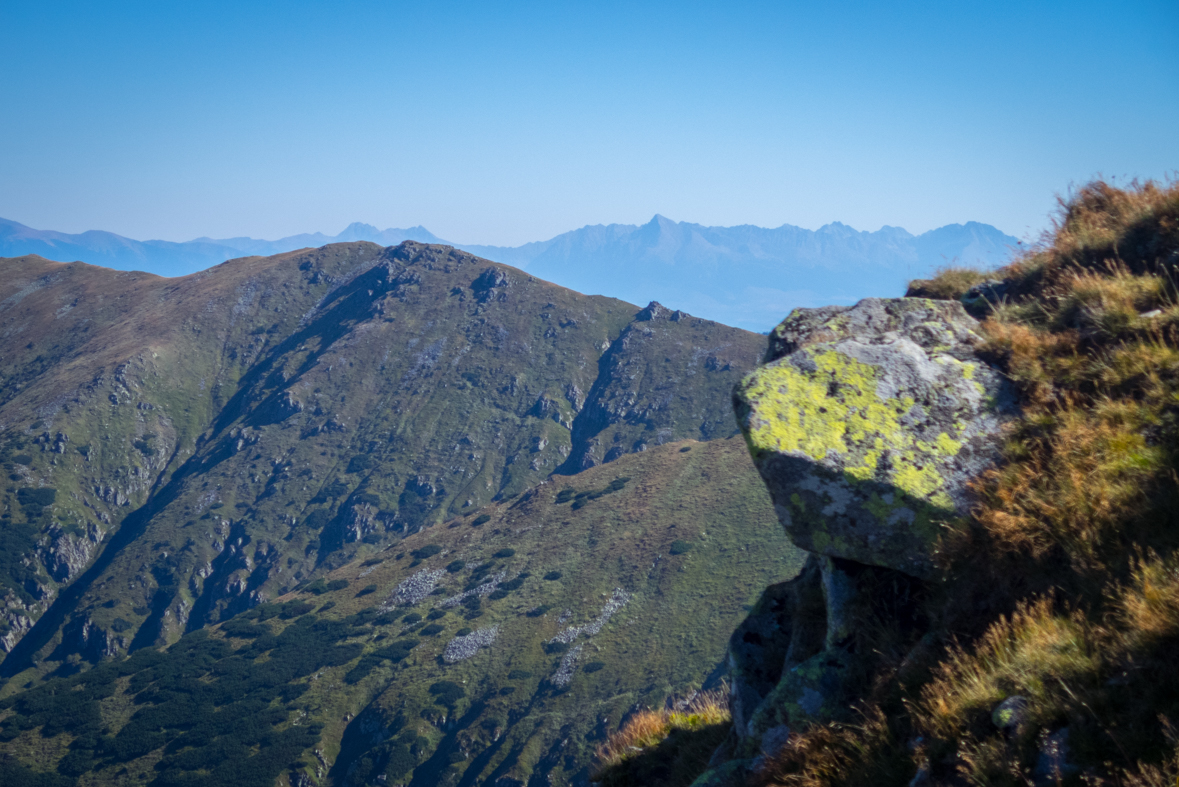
745	275
406	384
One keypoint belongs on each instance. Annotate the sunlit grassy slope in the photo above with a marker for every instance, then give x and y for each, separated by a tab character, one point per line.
1062	588
608	591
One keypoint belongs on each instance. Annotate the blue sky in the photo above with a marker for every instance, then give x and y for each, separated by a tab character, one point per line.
508	122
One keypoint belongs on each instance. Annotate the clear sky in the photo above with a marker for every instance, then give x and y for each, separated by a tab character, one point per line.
507	122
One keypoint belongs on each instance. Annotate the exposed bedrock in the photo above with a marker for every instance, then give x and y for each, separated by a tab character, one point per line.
867	424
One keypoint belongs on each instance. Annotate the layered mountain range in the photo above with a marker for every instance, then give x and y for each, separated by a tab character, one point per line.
182	452
745	276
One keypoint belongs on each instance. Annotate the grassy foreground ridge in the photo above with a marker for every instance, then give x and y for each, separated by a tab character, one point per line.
1053	627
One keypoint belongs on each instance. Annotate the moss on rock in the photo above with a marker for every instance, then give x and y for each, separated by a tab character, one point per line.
867	424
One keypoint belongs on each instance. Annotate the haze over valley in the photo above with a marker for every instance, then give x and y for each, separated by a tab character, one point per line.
743	276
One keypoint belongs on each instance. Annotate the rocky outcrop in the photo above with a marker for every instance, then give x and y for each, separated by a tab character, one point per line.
867	424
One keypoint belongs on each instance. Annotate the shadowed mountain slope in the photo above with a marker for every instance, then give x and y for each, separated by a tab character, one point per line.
494	649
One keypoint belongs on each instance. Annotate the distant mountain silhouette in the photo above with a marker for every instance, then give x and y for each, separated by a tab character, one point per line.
749	276
745	276
166	258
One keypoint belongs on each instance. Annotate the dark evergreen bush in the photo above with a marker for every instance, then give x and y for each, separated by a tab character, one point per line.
428	551
447	692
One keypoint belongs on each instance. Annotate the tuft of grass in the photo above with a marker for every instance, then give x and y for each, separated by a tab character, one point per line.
1035	653
664	748
837	754
947	284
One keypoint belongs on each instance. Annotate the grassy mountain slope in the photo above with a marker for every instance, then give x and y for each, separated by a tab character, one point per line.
607	590
109	381
228	434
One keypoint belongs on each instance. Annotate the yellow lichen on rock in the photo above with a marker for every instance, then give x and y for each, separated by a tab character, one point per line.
868	423
836	408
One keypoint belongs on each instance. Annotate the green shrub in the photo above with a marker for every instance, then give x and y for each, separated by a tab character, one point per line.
293	609
428	551
519	674
456	566
553	576
411	618
679	547
482	519
594	666
317	519
401	762
447	692
39	496
506	552
432	629
359	463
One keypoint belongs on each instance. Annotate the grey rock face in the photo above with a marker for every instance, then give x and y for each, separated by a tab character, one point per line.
867	424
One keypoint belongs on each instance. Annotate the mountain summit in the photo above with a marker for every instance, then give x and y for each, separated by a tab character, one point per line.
745	276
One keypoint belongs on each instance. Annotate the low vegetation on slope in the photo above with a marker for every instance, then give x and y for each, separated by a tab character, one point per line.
178	450
495	648
1051	654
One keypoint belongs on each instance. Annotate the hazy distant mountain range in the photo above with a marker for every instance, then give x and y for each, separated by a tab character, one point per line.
166	258
744	276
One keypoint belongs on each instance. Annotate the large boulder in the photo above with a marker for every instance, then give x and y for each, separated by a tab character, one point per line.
868	423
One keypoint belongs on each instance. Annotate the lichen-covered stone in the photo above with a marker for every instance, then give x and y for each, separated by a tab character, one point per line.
867	424
819	689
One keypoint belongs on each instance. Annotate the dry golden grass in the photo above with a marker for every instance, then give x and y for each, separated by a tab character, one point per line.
1072	478
1063	586
1035	653
1087	484
947	284
1148	609
664	748
839	754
